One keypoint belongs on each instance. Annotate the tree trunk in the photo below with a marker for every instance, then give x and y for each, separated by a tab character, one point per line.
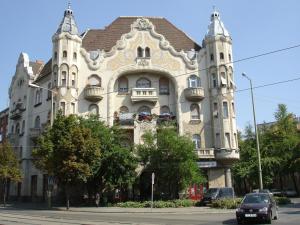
67	196
295	183
280	180
4	192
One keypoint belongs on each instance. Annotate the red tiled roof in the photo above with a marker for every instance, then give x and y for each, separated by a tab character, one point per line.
106	38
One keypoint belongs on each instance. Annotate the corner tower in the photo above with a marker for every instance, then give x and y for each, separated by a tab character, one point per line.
218	44
65	64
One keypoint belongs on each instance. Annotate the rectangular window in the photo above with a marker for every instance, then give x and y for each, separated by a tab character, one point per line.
215	109
214	80
225	110
64	78
63	108
73	80
227	140
218	140
235	140
73	108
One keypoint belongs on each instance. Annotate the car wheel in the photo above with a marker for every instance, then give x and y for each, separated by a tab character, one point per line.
239	221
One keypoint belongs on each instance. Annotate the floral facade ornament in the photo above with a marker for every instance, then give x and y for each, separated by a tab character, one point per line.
143	24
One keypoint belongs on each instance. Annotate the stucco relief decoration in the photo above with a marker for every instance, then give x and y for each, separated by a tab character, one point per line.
143	24
93	58
143	62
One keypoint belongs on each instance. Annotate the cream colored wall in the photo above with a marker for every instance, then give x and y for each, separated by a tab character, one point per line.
216	177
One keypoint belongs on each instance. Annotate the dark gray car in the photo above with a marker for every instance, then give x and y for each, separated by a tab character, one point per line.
217	193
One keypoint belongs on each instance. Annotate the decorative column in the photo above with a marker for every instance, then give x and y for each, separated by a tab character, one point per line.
228	182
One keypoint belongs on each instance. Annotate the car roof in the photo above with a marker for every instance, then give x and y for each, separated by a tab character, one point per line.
260	193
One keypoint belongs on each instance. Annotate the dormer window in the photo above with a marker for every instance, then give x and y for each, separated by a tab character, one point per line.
147	52
140	52
143	52
65	54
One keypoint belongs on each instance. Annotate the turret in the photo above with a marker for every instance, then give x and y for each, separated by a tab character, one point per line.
65	65
218	45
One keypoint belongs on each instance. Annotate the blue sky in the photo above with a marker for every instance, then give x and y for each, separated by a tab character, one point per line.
255	26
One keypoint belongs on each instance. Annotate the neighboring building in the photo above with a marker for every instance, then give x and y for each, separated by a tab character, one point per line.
267	125
3	124
136	65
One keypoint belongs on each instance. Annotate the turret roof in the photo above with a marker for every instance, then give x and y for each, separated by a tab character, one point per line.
68	23
216	26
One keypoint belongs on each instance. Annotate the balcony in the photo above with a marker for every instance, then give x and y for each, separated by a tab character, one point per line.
93	93
194	94
125	119
34	133
227	154
16	113
144	94
205	153
13	138
166	120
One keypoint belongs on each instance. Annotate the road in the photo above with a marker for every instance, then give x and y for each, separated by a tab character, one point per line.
194	216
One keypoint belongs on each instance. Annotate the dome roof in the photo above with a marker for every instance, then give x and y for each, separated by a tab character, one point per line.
216	26
68	23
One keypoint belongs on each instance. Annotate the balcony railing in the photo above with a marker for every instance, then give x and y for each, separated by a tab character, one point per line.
205	153
35	132
194	93
93	93
17	112
125	119
227	154
144	94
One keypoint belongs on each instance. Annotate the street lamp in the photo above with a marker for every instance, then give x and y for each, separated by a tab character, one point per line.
256	134
52	92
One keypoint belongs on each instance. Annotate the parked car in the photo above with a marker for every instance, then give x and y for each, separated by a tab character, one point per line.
290	193
277	192
217	193
257	207
267	191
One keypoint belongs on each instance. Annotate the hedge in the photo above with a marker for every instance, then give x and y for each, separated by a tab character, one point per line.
226	203
157	204
282	200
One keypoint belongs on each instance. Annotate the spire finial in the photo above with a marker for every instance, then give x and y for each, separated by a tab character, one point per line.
69	4
214	8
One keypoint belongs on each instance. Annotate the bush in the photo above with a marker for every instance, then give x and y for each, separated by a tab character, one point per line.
282	200
158	204
226	203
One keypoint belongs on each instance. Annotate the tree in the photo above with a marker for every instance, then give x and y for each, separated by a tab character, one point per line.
67	151
9	167
117	164
173	160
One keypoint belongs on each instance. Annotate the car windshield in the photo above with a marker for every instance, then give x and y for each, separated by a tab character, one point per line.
211	192
252	199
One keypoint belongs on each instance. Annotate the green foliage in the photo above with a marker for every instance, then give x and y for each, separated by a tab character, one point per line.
226	203
157	204
67	151
9	166
282	200
116	166
172	158
279	147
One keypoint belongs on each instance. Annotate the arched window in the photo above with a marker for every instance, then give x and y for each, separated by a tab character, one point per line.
123	85
221	55
37	96
143	83
211	57
144	109
194	81
74	55
65	54
164	86
18	128
63	108
37	122
94	109
147	52
41	95
23	127
94	80
164	110
123	109
140	52
195	112
55	55
12	129
73	79
197	141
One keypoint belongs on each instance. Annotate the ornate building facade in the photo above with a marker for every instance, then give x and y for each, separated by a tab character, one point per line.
137	72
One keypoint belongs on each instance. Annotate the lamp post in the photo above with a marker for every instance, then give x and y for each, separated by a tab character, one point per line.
256	134
52	92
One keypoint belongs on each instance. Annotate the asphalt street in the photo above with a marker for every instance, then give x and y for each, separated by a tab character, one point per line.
85	216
